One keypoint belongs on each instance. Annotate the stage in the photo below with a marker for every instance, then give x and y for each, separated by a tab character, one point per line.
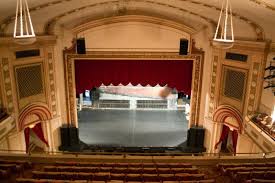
132	128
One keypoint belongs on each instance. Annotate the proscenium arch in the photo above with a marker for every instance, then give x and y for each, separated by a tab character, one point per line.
70	77
38	109
225	111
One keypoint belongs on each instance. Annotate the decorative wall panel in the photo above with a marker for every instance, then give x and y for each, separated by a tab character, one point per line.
7	85
213	85
52	84
251	107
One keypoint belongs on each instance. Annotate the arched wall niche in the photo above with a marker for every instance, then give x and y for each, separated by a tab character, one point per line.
32	114
229	116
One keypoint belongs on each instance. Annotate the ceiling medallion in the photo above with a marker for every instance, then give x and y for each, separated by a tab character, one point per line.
23	29
224	35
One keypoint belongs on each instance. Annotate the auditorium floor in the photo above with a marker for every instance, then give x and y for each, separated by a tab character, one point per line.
132	127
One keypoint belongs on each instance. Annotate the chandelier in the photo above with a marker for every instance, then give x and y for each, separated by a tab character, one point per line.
23	28
224	35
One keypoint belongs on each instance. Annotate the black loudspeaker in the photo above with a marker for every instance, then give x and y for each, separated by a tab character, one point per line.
200	137
74	138
69	139
65	136
195	137
183	47
80	46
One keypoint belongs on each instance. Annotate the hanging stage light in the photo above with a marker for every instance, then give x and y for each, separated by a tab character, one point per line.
23	28
224	35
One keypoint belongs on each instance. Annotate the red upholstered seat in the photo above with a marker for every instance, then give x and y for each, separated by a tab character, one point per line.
117	176
170	182
184	170
150	170
124	165
133	177
164	171
148	165
167	177
101	176
105	169
134	170
135	165
269	175
242	176
262	181
119	170
150	178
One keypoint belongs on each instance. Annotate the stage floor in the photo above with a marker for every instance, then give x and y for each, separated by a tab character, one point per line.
132	127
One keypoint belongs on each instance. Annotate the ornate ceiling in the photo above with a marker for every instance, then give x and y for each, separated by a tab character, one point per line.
253	19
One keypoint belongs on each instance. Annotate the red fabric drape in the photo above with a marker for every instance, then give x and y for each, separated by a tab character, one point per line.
27	138
225	131
175	73
37	129
234	139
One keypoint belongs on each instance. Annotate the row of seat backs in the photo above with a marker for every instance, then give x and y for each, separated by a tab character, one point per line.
108	176
25	180
139	165
119	170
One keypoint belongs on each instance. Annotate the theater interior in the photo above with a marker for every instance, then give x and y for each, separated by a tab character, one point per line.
177	91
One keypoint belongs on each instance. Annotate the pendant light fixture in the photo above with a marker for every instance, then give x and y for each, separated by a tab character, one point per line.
224	35
23	28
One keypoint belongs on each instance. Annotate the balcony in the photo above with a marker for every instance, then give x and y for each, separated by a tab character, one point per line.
7	124
261	132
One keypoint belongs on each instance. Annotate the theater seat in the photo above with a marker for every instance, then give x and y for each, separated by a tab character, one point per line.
262	181
167	177
150	178
133	177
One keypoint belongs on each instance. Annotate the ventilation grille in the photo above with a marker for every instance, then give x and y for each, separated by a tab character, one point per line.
29	80
153	104
234	84
236	56
27	53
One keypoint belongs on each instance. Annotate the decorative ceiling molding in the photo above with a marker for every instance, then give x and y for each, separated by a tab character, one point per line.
264	4
132	18
257	28
49	25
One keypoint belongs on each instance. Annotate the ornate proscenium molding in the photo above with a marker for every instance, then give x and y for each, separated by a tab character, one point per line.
127	55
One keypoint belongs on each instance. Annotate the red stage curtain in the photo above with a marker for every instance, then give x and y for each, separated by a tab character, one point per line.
27	138
225	131
175	73
234	139
37	129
